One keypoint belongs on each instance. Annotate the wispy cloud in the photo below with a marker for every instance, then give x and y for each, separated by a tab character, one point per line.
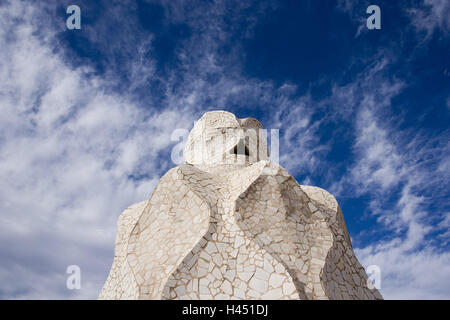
400	170
80	142
431	15
71	155
75	153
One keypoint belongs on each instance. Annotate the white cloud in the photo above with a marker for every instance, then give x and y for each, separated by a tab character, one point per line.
388	160
70	149
412	266
426	16
300	149
419	274
431	15
67	151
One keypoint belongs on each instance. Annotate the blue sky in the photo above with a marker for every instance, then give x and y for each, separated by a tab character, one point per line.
87	119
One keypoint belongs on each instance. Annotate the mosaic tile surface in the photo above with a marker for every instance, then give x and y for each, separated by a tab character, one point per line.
230	224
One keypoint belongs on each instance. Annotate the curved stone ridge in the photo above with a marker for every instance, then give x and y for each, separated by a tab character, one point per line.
232	225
